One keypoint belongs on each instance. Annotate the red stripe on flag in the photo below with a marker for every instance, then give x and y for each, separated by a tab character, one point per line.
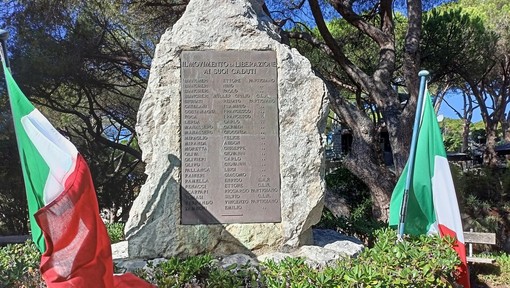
78	251
460	248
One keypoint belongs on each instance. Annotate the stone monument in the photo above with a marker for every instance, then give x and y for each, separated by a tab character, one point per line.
230	129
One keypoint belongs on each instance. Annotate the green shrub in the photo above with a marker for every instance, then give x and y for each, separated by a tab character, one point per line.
489	275
348	186
115	232
176	272
19	265
294	272
423	261
357	224
489	185
234	276
483	195
200	271
503	261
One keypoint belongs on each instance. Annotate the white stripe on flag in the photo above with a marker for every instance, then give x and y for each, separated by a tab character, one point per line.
445	199
58	152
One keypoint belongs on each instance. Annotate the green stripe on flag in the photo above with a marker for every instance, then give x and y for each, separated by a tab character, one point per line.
35	169
420	209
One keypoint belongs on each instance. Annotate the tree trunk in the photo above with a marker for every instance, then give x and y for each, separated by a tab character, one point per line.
465	135
365	158
377	177
489	154
468	115
402	139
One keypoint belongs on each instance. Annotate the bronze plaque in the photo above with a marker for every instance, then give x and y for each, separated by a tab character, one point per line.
229	132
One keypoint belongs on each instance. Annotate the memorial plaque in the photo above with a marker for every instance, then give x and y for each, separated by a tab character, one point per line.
229	133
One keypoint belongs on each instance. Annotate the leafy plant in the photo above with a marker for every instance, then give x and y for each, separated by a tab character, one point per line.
19	265
290	272
483	198
115	231
359	223
235	276
348	186
424	261
497	275
177	272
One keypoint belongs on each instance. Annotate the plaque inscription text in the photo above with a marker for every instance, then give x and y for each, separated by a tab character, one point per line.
229	133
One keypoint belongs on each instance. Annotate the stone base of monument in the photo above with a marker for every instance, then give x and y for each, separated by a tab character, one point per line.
329	247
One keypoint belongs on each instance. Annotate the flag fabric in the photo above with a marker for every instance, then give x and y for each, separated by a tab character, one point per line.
63	209
432	203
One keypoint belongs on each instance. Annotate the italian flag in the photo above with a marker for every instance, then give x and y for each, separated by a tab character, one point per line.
63	209
432	203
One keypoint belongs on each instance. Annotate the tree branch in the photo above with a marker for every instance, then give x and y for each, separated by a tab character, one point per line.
344	7
352	70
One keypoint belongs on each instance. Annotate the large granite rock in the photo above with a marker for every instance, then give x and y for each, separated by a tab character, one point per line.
154	229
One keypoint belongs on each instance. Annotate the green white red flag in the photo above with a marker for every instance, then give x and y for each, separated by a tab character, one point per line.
63	210
432	203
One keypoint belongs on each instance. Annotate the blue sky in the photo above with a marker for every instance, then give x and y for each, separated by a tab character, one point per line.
456	101
454	98
447	112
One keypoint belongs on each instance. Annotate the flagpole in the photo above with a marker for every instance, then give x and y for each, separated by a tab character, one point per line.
414	140
3	36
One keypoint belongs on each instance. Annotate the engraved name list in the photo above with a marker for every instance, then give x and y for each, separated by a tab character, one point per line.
229	132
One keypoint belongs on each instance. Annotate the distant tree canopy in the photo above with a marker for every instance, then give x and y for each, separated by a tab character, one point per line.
370	53
13	208
370	50
85	64
475	62
452	133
